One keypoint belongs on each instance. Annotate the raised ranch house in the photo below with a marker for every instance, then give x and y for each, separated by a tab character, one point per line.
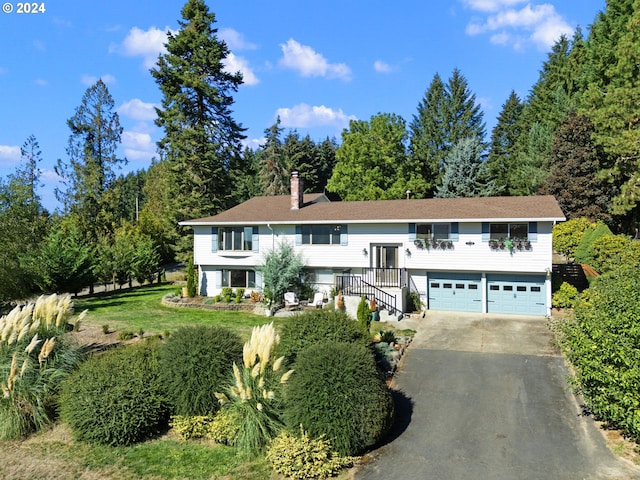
488	254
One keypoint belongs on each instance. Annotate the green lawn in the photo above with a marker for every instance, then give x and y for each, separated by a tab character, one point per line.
140	309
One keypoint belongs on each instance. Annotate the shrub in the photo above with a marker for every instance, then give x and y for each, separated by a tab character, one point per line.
303	457
565	297
567	235
584	250
316	326
192	280
414	304
224	427
126	335
194	363
339	392
611	251
190	427
115	398
254	397
601	344
364	314
35	357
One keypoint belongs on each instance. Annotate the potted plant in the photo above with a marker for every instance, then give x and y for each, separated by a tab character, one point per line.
373	308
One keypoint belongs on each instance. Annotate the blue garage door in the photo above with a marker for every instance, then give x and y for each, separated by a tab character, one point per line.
520	294
455	291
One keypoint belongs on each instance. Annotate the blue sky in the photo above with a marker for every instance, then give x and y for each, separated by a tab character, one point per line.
316	64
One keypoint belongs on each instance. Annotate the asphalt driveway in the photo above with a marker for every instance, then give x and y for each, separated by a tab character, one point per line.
485	397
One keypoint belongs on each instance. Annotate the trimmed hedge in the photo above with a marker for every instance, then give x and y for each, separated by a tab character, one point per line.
338	391
115	398
194	363
315	326
601	343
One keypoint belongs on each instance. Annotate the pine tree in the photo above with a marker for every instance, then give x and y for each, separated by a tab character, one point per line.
504	138
89	172
201	139
465	172
274	166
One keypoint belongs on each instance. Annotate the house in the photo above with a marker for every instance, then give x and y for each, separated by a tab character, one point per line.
487	254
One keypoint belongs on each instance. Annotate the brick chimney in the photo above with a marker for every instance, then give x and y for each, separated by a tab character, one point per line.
297	190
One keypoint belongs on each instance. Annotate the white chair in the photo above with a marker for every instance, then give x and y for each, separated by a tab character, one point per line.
318	300
290	300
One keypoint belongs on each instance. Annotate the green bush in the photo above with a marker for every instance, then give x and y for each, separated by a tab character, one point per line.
191	427
192	280
567	235
584	251
224	427
338	391
565	297
364	314
221	428
315	326
115	398
601	343
194	363
304	457
611	251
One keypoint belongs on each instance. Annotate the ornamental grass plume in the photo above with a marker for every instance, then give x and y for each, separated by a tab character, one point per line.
253	398
34	358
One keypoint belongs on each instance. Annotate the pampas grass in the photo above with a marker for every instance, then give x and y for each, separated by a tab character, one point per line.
34	358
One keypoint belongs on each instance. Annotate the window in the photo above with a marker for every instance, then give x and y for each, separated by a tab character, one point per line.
321	234
235	238
514	231
239	278
432	231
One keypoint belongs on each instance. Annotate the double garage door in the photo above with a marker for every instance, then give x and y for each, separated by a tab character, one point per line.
518	294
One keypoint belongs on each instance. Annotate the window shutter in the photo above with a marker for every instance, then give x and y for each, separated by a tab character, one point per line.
254	239
259	284
214	239
533	231
412	232
298	234
454	235
217	276
344	233
486	231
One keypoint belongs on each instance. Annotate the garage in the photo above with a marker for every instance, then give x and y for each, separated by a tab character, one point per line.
455	291
519	294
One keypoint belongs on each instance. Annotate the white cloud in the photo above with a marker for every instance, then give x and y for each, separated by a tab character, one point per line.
137	145
9	155
253	143
233	64
147	44
138	110
382	67
235	40
490	5
540	25
49	176
310	63
305	116
90	80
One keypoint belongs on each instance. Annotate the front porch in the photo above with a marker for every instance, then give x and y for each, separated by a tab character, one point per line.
386	285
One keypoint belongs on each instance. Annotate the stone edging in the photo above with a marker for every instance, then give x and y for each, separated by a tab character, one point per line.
255	308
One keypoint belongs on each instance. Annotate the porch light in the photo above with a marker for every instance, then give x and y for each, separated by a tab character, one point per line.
408	252
365	252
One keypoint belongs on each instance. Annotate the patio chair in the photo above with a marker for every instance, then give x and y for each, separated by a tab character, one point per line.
290	300
318	300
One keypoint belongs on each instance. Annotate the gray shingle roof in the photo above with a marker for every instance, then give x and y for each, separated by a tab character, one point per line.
277	210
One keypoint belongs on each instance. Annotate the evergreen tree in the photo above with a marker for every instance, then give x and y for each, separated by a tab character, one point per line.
326	163
372	161
465	172
611	102
504	136
201	139
529	171
446	115
428	136
29	174
274	165
89	172
574	178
